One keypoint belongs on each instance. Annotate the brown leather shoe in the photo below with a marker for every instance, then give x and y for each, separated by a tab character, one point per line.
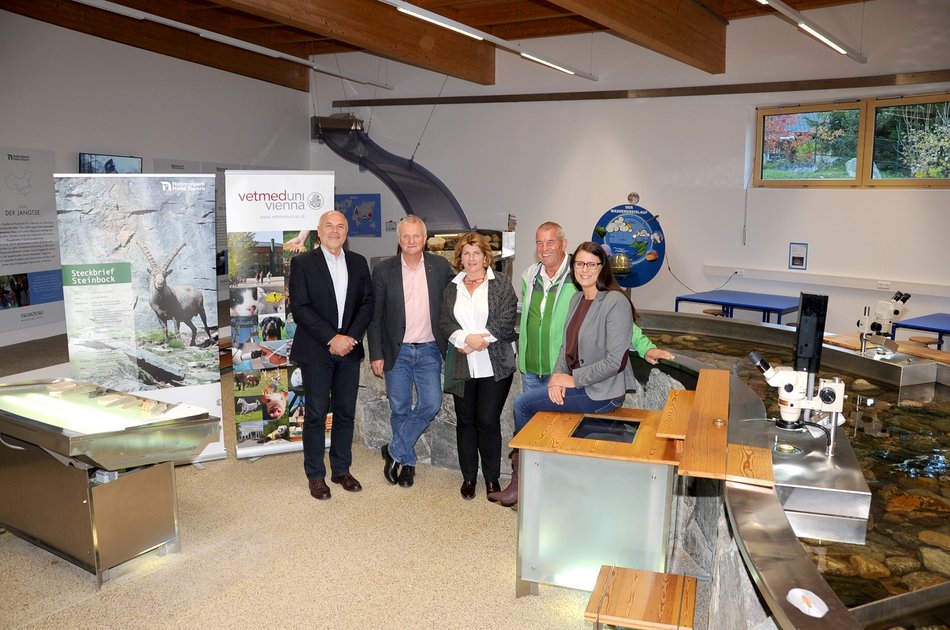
348	481
490	487
467	490
319	489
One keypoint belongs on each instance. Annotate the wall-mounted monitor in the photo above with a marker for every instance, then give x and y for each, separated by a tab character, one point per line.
104	163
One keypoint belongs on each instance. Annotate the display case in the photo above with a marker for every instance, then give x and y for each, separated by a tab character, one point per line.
501	243
87	473
594	490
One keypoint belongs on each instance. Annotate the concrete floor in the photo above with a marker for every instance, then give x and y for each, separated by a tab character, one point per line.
258	551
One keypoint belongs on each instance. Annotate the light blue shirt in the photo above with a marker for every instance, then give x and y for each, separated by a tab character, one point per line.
337	267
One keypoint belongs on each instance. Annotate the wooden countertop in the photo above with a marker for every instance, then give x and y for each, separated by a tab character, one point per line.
550	431
691	433
852	341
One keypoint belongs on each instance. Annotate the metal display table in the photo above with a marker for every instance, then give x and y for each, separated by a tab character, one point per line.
937	322
731	300
87	473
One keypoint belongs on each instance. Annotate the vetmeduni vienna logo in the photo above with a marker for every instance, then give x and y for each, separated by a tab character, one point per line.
315	200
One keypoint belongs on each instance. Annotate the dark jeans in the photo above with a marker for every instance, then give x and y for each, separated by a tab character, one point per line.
478	426
336	379
576	400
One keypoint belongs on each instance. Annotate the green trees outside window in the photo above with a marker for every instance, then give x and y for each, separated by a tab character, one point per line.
867	143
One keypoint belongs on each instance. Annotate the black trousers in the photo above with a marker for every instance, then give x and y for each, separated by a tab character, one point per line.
478	426
336	379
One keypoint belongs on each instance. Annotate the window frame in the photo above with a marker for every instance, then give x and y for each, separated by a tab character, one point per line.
867	110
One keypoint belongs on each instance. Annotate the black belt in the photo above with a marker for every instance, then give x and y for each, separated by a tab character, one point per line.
419	343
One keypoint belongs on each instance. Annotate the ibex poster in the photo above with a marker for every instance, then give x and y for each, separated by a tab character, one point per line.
139	278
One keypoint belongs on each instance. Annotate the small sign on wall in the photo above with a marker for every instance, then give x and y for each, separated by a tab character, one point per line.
798	256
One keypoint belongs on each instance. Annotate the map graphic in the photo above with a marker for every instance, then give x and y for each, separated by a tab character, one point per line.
20	184
632	231
362	213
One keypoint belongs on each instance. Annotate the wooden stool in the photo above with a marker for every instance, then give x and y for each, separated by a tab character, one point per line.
715	312
634	598
924	341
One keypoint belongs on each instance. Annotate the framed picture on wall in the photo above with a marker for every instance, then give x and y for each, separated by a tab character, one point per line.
798	256
103	163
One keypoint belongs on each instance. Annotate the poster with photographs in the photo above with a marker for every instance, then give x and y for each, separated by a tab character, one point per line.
31	292
139	285
281	206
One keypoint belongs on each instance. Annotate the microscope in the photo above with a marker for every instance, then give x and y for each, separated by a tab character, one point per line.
796	385
876	327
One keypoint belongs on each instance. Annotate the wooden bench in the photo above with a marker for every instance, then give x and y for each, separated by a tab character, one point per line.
634	598
924	340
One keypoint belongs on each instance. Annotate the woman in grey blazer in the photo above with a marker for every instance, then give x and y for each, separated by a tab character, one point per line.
592	374
479	309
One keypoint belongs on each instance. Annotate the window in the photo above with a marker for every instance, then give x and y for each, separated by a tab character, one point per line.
868	143
911	141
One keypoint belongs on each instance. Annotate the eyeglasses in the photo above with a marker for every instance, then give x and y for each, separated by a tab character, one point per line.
579	264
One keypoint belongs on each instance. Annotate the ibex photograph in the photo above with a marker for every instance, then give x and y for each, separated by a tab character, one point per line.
179	303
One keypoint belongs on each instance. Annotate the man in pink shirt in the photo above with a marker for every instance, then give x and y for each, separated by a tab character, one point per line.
405	345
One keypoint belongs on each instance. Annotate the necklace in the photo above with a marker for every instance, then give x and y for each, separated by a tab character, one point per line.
468	280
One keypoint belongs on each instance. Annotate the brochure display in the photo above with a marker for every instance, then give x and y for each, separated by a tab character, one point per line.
139	285
270	215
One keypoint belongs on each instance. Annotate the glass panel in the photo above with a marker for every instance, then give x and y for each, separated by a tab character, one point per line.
606	429
577	513
810	145
912	141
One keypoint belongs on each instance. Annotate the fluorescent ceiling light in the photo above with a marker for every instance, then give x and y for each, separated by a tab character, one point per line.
474	33
545	62
224	39
433	19
763	1
816	31
822	38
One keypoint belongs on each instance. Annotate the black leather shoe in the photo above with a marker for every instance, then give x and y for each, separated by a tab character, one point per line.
348	481
319	489
391	467
467	490
492	486
406	476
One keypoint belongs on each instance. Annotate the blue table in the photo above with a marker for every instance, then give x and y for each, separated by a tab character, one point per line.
937	322
729	300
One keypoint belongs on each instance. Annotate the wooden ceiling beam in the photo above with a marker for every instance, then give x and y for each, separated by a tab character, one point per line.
739	9
680	29
217	19
383	31
163	40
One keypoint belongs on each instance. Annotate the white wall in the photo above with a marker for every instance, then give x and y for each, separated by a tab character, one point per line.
70	92
687	157
567	161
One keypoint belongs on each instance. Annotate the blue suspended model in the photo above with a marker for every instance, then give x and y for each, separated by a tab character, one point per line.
419	191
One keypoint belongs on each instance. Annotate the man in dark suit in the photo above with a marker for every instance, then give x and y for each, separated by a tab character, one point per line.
332	301
405	344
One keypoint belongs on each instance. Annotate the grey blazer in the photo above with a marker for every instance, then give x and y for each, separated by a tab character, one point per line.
388	326
502	315
603	340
